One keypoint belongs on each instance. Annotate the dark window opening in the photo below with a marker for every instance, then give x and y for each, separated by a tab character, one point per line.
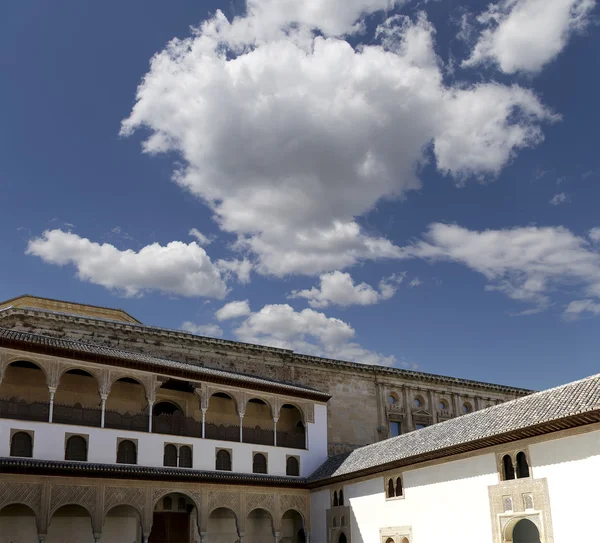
394	428
166	408
76	449
170	456
341	498
83	373
168	503
522	466
21	445
292	467
399	488
175	384
185	457
390	489
181	505
223	460
259	464
127	452
335	498
509	471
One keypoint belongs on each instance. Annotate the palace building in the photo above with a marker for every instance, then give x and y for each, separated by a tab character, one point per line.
115	431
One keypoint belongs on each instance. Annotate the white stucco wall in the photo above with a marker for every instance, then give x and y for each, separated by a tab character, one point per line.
49	444
319	502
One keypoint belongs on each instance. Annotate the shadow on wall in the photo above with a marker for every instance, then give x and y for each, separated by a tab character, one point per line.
569	449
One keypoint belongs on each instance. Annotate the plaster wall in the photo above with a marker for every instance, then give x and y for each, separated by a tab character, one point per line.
319	503
50	438
572	468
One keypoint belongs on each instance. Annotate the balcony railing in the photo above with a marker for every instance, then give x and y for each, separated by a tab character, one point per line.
138	422
22	410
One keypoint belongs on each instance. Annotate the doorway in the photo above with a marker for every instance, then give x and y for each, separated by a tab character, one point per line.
170	527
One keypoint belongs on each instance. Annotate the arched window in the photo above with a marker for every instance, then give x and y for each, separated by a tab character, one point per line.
223	460
170	456
335	499
334	523
168	503
342	521
292	467
341	497
342	538
525	531
399	489
21	444
467	407
185	457
127	452
76	449
507	465
389	540
405	540
181	504
391	399
418	401
443	405
522	466
259	464
390	489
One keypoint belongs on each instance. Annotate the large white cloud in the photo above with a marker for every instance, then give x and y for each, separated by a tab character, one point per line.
177	268
526	263
307	332
338	288
525	35
233	310
290	139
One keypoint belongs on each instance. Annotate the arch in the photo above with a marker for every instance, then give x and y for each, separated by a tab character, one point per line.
21	444
259	525
77	397
443	404
185	456
389	540
76	449
25	382
266	401
399	487
341	497
342	520
522	530
405	540
129	520
342	538
77	370
17	507
300	409
507	467
16	359
467	407
126	452
223	520
293	526
259	463
335	498
223	460
334	522
166	407
223	394
392	398
127	404
419	401
170	456
167	503
522	465
390	489
292	466
168	491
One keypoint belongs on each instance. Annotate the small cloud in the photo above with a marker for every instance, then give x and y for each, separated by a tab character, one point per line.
539	173
559	199
416	282
561	179
577	307
212	330
200	237
594	234
233	310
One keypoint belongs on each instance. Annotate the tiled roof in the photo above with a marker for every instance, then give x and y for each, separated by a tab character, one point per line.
130	471
442	439
297	357
203	373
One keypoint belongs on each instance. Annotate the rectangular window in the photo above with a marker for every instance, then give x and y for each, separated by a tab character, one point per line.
420	426
394	428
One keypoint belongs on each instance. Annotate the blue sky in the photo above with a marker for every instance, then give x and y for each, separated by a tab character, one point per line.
413	184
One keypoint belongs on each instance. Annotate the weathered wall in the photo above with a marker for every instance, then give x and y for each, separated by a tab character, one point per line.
357	412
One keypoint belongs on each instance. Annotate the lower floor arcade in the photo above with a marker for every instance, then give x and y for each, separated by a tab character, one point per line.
50	509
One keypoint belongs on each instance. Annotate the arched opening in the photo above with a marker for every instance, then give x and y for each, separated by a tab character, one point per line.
467	407
290	428
21	444
342	538
24	393
292	527
390	489
76	449
175	519
169	418
126	406
222	419
222	525
77	399
399	489
525	531
419	401
405	540
170	456
389	540
71	523
166	408
259	526
342	520
443	405
522	466
335	498
507	467
258	423
259	463
122	523
18	523
292	466
341	497
223	460
185	457
392	398
127	452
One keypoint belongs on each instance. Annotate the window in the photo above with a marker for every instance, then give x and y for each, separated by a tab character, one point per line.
21	444
342	521
394	428
185	456
259	463
507	468
223	462
399	490
292	466
181	505
170	456
467	407
443	405
76	449
335	499
420	426
334	522
522	465
394	487
390	489
341	498
127	452
392	399
418	401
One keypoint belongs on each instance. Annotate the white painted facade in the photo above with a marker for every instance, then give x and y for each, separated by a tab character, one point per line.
49	440
449	501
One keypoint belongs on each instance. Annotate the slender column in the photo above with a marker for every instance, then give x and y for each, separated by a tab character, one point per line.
241	432
42	538
204	410
307	536
241	538
97	537
277	537
145	538
203	538
103	397
52	393
275	420
150	405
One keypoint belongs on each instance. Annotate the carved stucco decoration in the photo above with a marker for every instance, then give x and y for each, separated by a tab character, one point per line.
124	495
29	494
258	500
528	498
229	500
73	495
297	502
194	495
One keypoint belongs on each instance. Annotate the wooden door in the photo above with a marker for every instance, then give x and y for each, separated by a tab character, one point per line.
170	528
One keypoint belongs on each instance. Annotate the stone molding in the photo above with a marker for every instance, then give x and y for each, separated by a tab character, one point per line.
45	495
397	533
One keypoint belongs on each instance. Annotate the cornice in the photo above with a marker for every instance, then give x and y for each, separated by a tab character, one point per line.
252	349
